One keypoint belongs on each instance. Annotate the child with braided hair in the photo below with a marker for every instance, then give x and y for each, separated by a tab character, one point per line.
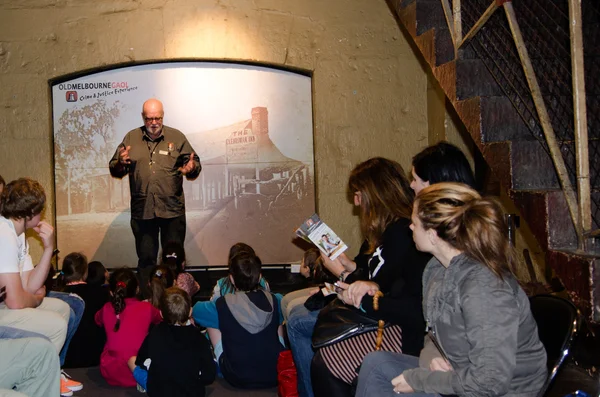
126	321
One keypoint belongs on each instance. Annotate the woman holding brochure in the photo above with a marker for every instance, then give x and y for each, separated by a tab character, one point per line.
388	262
482	339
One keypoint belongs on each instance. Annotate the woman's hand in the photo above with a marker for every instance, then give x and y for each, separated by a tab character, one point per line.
357	290
349	264
344	295
440	364
334	266
400	385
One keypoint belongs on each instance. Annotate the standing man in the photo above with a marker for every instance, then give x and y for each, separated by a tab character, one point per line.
156	158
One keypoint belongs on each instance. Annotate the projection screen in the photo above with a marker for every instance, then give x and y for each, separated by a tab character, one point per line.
251	126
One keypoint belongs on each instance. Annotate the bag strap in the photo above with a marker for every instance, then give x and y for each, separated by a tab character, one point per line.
381	323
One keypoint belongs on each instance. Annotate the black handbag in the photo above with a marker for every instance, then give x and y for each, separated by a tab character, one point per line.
338	321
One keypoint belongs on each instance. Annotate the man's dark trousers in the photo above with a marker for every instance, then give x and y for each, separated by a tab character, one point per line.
146	233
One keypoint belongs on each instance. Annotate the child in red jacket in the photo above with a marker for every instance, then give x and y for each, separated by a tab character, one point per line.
126	321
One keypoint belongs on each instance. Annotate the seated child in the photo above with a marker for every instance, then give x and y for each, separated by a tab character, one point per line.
174	257
88	341
317	274
247	341
175	358
224	285
161	278
126	321
97	274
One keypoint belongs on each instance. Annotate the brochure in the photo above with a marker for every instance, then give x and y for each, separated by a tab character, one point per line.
315	231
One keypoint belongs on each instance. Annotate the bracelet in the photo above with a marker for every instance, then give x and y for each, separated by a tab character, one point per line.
342	274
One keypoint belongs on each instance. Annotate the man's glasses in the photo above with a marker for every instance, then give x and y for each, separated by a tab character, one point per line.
151	119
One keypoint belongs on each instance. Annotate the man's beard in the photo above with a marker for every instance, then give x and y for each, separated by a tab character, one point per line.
155	130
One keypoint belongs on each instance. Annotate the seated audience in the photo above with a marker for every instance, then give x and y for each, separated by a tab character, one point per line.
483	339
126	321
97	274
388	262
25	305
89	339
175	358
247	338
173	256
224	285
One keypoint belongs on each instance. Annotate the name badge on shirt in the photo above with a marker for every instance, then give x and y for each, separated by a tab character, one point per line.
163	152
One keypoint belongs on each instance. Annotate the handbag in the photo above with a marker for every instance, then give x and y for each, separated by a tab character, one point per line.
287	377
344	335
338	321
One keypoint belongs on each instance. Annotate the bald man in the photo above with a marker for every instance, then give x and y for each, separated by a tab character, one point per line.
156	158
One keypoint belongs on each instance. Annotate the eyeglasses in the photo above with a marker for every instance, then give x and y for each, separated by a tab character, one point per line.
151	119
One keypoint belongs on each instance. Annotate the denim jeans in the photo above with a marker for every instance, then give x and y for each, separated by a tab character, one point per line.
77	306
300	326
377	371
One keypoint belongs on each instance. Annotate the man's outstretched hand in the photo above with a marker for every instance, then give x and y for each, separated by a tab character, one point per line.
189	166
124	155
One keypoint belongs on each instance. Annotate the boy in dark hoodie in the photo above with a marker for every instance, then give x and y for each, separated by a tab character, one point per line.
175	358
247	343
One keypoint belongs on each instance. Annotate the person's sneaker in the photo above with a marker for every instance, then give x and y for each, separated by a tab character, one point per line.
64	390
69	383
140	388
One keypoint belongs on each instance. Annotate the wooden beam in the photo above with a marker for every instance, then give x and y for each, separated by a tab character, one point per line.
580	117
479	24
457	21
559	162
449	22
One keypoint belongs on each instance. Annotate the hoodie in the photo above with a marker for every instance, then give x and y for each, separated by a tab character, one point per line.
248	322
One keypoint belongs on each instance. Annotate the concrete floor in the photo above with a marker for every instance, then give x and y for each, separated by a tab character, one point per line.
95	386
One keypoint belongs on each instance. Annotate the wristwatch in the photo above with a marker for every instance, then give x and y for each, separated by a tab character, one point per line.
342	274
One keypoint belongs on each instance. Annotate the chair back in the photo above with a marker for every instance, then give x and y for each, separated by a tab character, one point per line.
558	322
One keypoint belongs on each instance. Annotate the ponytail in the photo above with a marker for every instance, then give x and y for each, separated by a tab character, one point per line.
162	278
74	269
469	223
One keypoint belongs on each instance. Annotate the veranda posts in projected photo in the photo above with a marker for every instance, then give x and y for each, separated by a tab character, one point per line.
251	127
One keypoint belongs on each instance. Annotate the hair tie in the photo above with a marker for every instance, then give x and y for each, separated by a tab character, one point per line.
158	273
121	284
173	255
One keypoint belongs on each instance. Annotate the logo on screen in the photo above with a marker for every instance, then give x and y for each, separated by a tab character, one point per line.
71	96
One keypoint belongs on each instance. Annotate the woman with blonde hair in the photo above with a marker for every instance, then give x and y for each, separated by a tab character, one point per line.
388	261
482	338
